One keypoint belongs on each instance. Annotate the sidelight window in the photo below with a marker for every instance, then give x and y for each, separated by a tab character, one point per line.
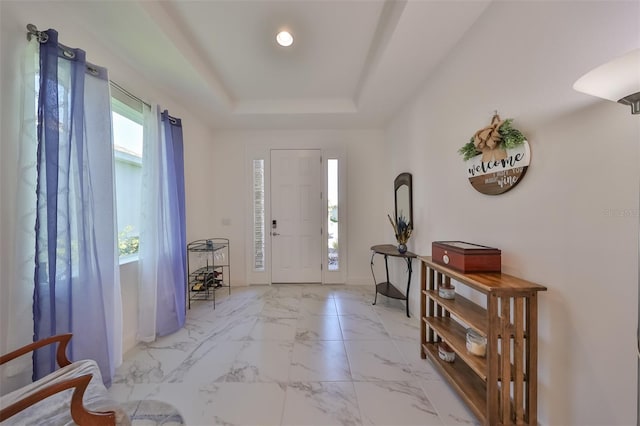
333	250
258	216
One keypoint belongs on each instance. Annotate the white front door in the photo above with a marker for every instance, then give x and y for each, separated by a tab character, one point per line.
296	216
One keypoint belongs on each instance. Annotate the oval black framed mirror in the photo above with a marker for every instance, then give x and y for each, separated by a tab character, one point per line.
403	197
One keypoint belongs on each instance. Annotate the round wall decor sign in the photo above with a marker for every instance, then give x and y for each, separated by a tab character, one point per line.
497	157
497	174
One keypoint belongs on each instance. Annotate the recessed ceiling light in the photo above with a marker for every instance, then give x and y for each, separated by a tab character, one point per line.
284	38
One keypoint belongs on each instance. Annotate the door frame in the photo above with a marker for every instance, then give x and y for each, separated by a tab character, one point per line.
263	152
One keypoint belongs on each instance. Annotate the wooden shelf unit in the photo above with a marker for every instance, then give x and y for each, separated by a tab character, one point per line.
511	311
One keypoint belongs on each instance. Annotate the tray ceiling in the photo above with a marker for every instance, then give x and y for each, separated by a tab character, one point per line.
353	62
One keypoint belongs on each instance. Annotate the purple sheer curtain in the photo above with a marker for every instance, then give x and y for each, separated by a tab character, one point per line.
162	261
76	285
170	313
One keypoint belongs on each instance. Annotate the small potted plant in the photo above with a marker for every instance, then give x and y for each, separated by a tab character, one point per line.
402	229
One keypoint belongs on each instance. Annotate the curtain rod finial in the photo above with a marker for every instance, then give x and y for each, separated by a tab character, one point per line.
32	31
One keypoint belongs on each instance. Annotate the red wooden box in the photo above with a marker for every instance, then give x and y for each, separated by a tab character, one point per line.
466	257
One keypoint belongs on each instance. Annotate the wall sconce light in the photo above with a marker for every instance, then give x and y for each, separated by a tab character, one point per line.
617	80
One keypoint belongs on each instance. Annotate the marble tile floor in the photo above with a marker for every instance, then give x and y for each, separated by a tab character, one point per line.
293	355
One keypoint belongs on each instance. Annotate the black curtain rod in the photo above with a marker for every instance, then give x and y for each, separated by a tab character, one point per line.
126	92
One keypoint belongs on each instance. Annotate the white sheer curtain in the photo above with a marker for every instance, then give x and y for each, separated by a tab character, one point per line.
19	329
149	220
105	265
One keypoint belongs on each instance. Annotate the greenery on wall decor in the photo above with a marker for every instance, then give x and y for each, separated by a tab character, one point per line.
493	141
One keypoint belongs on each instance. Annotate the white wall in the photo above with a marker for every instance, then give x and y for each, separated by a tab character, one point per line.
572	223
367	189
14	17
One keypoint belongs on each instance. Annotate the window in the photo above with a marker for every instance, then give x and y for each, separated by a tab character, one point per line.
127	122
332	215
258	215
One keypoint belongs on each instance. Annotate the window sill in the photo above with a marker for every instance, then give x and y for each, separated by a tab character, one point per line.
128	259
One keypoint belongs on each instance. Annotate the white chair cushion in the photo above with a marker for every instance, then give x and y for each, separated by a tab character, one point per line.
56	409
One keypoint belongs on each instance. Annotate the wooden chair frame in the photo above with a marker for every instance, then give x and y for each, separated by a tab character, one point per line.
79	413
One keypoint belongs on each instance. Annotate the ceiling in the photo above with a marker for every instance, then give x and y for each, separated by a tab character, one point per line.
352	65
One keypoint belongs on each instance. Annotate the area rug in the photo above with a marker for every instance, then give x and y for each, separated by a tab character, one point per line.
153	413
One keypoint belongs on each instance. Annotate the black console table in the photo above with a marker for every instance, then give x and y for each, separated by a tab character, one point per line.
386	288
